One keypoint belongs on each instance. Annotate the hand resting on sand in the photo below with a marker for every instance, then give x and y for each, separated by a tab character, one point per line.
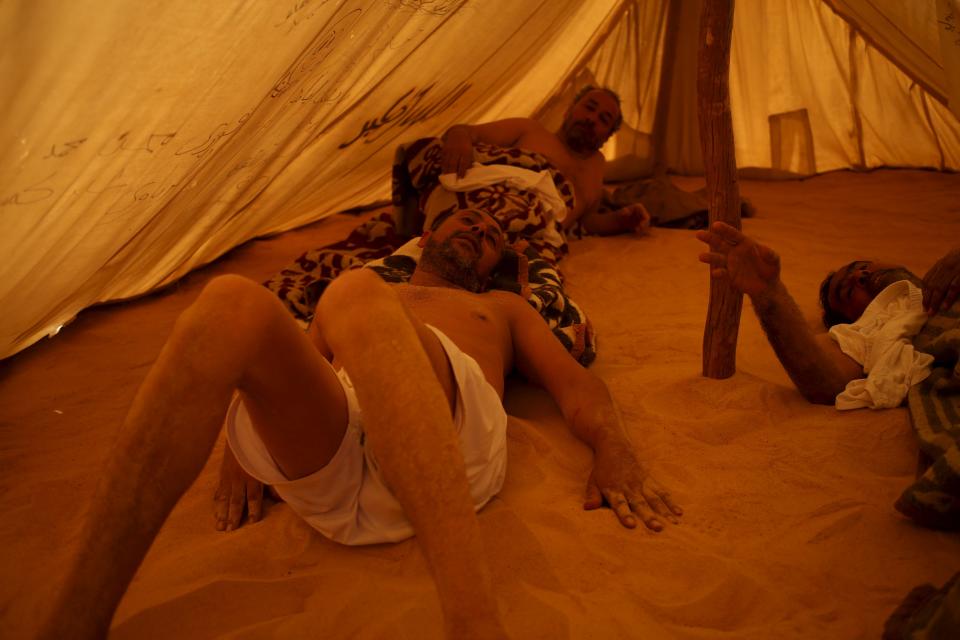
634	218
624	484
236	491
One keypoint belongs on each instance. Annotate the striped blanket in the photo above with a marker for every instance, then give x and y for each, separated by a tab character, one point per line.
536	242
934	499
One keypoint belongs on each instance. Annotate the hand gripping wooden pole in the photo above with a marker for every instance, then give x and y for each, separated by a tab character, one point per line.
720	167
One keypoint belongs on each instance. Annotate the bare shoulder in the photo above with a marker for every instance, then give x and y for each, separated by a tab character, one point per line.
537	354
506	132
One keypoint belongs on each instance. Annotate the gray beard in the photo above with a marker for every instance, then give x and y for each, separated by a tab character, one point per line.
580	140
885	277
443	259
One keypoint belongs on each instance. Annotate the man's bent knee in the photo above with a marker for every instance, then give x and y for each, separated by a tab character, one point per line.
230	304
358	303
228	287
353	292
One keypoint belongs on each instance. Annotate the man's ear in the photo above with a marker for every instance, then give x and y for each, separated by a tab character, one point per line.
422	242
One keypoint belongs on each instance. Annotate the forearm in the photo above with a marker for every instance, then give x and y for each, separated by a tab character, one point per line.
619	477
812	370
503	133
464	131
594	419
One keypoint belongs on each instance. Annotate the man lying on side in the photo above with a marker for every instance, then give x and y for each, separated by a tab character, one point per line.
819	367
574	149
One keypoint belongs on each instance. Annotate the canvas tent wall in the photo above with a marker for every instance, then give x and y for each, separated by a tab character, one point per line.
143	140
813	85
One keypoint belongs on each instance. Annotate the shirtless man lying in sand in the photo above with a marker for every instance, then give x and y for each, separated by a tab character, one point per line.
815	362
574	149
416	407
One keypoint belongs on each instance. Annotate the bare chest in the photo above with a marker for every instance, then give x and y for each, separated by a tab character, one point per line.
474	322
581	172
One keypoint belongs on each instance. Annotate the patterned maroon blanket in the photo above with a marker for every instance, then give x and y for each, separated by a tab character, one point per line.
536	240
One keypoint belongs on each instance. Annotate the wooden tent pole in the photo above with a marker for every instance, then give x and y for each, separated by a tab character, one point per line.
720	166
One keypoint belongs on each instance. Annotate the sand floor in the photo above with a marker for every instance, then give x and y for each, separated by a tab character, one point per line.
789	529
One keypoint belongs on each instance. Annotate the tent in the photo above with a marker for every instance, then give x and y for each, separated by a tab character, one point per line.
141	142
145	141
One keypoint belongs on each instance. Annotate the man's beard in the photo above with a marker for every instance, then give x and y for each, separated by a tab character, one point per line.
444	260
883	278
582	137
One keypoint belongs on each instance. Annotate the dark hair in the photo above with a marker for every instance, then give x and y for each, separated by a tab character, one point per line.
613	94
831	316
443	215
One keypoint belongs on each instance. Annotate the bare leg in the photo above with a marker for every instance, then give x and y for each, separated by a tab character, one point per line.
238	336
234	336
393	364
